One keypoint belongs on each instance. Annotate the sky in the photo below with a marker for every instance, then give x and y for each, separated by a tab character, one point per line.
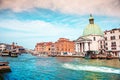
27	22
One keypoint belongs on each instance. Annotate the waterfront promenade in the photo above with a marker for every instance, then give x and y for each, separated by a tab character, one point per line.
98	56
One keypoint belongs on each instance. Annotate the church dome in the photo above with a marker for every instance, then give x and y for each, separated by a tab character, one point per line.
92	29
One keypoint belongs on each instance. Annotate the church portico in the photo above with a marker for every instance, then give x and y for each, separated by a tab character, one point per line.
82	46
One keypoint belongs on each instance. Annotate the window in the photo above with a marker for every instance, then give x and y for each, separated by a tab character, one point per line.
49	49
94	38
105	38
69	50
112	37
113	44
106	48
113	48
106	44
52	45
101	46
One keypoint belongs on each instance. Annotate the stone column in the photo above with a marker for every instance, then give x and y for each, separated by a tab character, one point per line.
89	46
79	47
86	46
76	47
83	47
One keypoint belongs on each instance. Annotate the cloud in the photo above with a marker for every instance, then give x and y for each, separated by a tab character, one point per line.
28	33
35	28
99	7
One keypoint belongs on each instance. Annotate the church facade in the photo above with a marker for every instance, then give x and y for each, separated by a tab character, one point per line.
91	40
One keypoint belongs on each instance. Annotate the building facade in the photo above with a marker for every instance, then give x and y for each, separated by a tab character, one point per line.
112	41
65	46
2	46
91	39
44	47
39	47
60	47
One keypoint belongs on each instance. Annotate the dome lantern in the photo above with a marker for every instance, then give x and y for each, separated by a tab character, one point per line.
91	19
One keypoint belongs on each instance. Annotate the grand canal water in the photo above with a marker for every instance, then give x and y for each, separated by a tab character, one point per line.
28	67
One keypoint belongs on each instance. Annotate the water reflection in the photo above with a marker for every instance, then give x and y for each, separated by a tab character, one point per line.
64	59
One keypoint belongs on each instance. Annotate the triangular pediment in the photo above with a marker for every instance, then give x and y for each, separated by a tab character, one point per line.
83	39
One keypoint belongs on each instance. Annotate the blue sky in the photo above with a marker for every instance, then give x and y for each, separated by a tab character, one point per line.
27	23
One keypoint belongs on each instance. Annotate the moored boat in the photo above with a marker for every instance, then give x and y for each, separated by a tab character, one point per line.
14	54
4	67
91	55
109	56
5	53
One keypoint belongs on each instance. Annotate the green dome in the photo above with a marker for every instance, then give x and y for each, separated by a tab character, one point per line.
92	29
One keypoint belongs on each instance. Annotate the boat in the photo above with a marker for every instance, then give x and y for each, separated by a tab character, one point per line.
4	63
5	53
109	56
100	56
91	55
52	55
4	67
14	54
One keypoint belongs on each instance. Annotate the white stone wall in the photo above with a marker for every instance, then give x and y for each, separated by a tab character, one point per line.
94	44
2	47
109	41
